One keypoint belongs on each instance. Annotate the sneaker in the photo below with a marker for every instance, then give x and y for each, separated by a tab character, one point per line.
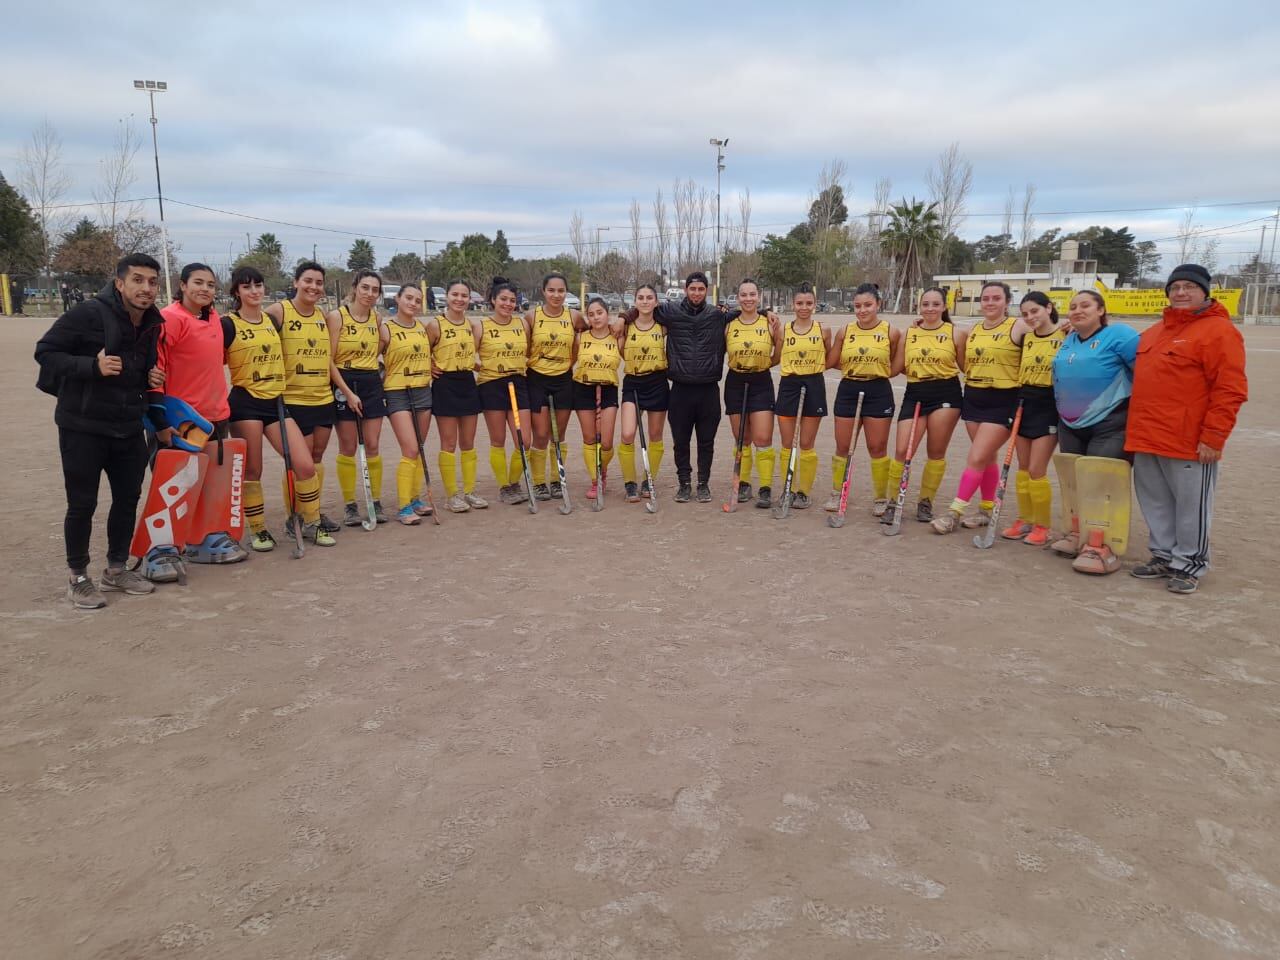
880	506
1157	568
378	513
593	491
126	581
744	492
1038	537
924	510
83	594
833	502
799	501
458	504
475	501
262	542
646	490
764	498
1067	546
704	492
408	517
1180	582
350	515
315	533
946	523
1016	530
504	493
556	491
328	525
890	511
684	492
976	521
541	492
633	492
517	494
420	508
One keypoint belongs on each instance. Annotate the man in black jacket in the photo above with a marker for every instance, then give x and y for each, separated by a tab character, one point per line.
100	359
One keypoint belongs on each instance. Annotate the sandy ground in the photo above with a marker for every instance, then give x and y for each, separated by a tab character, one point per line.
621	736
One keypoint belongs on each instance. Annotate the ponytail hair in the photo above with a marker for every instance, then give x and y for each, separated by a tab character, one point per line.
874	290
1008	294
498	285
804	287
946	314
1037	296
355	282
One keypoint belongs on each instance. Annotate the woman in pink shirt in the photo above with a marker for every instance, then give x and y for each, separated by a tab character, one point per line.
191	347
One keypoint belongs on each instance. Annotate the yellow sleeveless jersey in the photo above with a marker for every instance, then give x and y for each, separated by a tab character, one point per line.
504	349
991	358
1037	358
357	341
930	354
749	345
456	348
645	351
407	358
597	359
254	358
551	342
866	354
803	353
305	343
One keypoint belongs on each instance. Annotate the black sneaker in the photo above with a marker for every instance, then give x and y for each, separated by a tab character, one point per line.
555	490
378	513
328	525
684	493
890	512
633	492
799	501
764	498
704	492
744	492
1157	568
541	491
1180	582
646	491
350	516
924	510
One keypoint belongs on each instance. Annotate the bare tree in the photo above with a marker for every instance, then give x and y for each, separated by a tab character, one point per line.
700	211
744	216
578	238
1187	234
826	210
684	197
116	178
637	251
950	180
1206	254
1027	231
44	182
1006	225
662	240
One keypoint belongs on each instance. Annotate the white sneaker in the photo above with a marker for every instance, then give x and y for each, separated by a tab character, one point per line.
458	504
475	500
833	502
879	507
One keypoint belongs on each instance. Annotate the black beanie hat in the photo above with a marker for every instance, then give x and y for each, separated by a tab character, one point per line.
696	277
1193	272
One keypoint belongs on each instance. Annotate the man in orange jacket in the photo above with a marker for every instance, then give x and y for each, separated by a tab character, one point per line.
1188	385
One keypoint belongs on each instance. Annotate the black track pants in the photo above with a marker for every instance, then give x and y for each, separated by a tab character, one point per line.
694	406
85	457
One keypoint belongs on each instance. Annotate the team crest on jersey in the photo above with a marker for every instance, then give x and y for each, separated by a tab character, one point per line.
1094	345
364	345
862	351
644	350
748	344
266	348
595	357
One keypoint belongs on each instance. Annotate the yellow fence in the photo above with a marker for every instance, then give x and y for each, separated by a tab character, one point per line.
1142	303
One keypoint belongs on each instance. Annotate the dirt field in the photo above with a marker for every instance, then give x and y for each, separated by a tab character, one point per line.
621	736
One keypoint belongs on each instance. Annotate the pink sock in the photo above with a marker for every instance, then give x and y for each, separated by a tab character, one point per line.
969	481
990	480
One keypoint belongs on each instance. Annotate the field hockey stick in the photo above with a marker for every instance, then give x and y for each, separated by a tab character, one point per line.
782	509
295	517
422	456
894	526
650	505
598	502
565	506
731	505
838	519
985	539
524	458
366	486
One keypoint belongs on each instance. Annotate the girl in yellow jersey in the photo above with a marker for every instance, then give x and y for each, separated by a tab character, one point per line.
802	351
406	385
931	353
866	353
255	361
750	341
1038	430
552	329
596	358
304	338
992	361
504	357
645	387
355	339
455	397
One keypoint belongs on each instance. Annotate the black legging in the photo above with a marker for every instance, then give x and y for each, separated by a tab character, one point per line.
694	406
85	456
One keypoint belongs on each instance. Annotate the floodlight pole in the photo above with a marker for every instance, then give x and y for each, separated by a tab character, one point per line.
151	88
719	145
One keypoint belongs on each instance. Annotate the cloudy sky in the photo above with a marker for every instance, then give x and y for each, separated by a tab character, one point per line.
425	120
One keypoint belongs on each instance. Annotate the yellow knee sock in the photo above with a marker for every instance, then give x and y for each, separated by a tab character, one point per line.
589	458
447	464
879	477
375	476
469	464
838	466
806	471
1041	494
986	505
408	477
606	458
515	469
931	479
744	471
538	465
765	461
347	477
1023	484
894	479
655	457
498	464
255	511
308	492
627	458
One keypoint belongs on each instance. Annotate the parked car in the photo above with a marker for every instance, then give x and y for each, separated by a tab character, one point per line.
571	300
477	301
437	294
389	291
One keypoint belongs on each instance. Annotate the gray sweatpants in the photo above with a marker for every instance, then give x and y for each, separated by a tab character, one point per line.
1176	498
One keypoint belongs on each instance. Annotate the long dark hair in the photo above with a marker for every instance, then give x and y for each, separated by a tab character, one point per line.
1037	296
188	272
946	314
1099	299
874	290
242	275
498	285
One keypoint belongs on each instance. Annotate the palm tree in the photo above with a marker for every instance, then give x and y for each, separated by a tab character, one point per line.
912	234
361	256
268	244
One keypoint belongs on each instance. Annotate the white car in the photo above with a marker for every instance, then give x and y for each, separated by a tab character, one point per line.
571	300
